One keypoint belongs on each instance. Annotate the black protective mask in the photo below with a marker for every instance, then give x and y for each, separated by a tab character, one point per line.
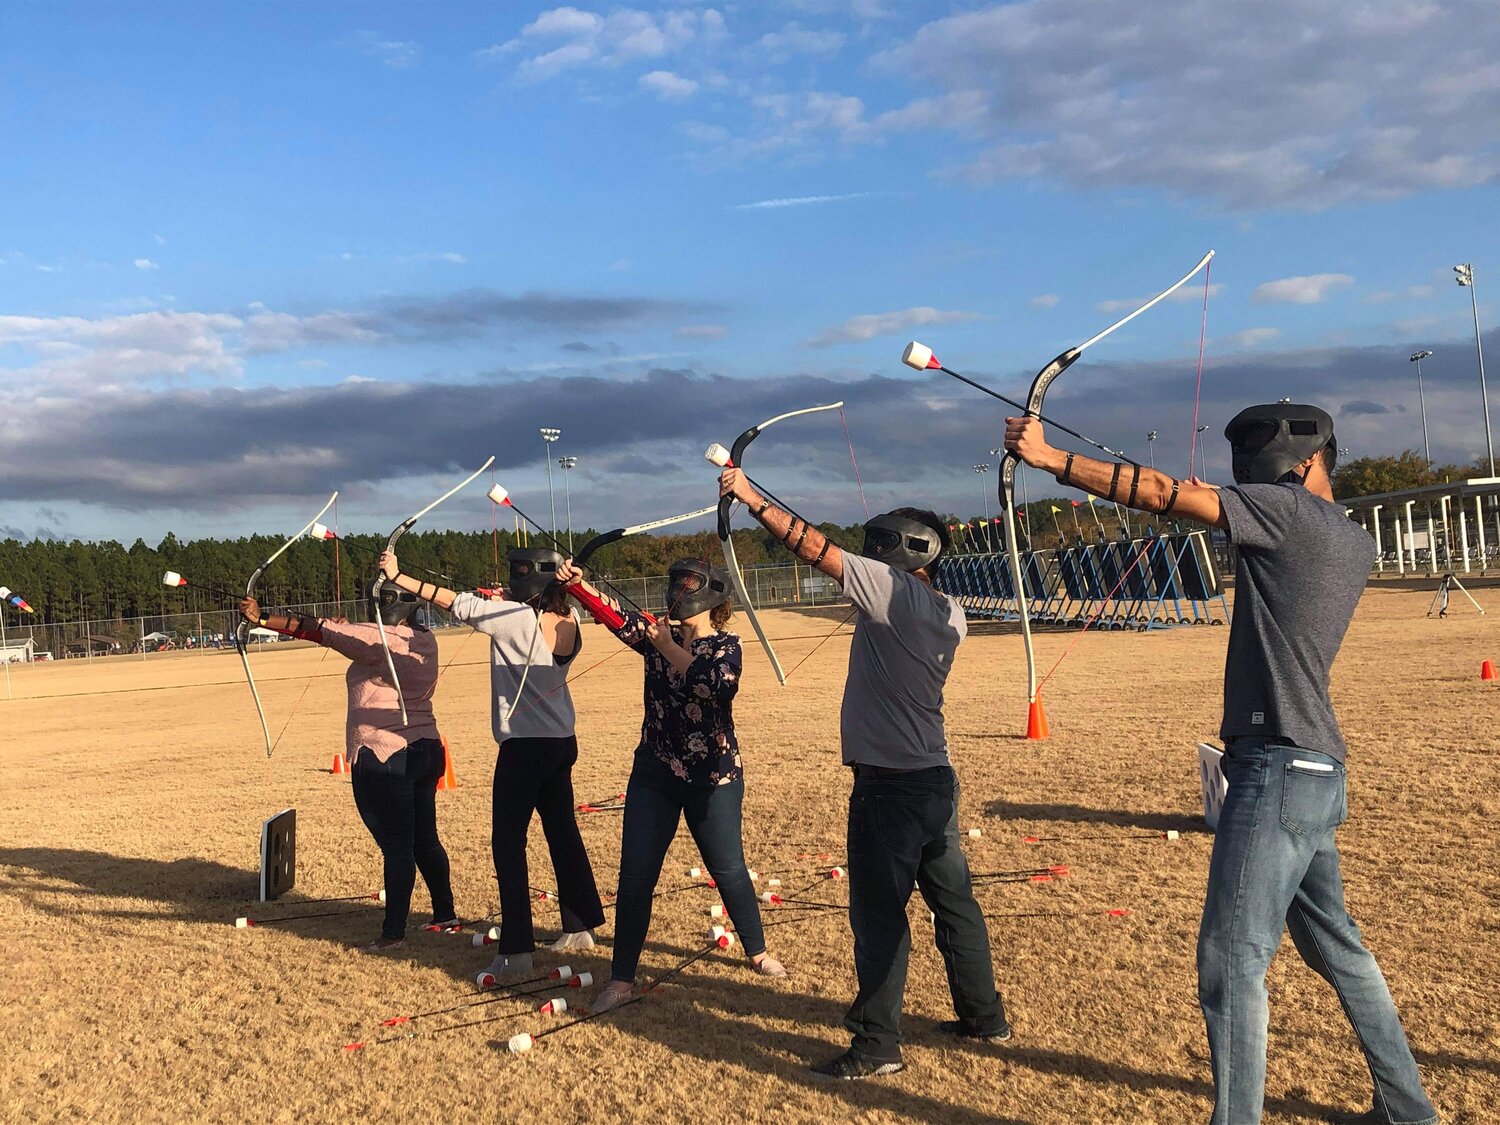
532	570
393	605
902	543
1268	442
694	587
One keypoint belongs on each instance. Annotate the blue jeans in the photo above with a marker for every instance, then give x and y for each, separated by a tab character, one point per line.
655	800
903	833
1275	863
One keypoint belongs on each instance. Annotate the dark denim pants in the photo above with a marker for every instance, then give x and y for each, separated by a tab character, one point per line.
655	800
397	800
903	830
537	774
1275	864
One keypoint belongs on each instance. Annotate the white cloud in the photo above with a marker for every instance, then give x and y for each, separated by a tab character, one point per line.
564	21
146	264
1278	104
160	241
619	265
794	39
451	257
667	86
585	38
398	54
701	332
1410	293
870	325
1188	294
791	124
1311	289
797	201
1251	337
1044	301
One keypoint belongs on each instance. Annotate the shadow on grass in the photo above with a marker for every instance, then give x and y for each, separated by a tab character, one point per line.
189	889
1448	1058
714	1019
1079	814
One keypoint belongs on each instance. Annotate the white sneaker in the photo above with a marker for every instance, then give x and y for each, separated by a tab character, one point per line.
581	939
612	995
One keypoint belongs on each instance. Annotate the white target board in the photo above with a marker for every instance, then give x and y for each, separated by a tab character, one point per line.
1215	784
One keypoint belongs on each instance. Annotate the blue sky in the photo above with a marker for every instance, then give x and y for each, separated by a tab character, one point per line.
253	252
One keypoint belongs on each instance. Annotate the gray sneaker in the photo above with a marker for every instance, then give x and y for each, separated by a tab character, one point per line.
852	1065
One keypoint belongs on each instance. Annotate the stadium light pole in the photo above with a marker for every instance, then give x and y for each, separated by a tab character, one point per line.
1464	275
568	465
1203	454
1151	448
549	435
1417	358
989	540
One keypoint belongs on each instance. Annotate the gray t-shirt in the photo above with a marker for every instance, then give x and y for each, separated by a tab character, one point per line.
545	709
1302	566
903	649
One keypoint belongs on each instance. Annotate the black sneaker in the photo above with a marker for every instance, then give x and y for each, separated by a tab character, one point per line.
851	1064
965	1030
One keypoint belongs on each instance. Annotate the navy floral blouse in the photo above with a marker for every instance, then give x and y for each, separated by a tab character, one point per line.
689	719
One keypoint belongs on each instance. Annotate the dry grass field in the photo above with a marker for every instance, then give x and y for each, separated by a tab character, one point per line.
128	833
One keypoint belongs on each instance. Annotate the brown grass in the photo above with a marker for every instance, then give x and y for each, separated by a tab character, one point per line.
128	835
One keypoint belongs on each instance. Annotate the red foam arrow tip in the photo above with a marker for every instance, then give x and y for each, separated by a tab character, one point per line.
1118	912
394	1020
1030	840
353	1046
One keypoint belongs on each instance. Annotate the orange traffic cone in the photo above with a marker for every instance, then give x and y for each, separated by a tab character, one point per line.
1487	670
447	781
1036	720
339	765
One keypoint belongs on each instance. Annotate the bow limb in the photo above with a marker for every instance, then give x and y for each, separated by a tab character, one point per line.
726	541
379	584
1034	400
242	629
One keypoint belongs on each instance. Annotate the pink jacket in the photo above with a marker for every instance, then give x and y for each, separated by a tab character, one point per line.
374	714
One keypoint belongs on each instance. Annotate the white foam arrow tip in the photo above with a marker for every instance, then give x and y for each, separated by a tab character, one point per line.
519	1043
919	356
171	578
498	495
717	454
321	531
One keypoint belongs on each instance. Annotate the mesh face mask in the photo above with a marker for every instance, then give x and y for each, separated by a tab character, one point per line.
1268	442
532	570
902	543
694	587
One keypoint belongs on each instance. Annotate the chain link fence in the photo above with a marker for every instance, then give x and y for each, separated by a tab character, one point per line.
213	630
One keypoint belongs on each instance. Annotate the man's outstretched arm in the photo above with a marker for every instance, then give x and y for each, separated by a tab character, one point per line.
1143	489
801	538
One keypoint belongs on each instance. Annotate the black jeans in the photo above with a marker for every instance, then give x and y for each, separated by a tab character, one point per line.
903	829
397	800
655	800
537	774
